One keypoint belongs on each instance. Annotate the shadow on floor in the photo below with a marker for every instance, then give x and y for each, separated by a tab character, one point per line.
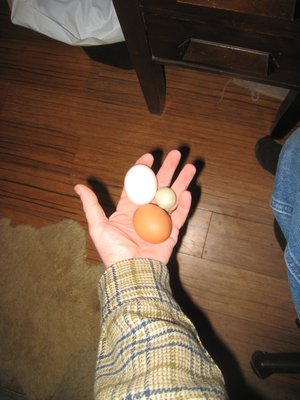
237	387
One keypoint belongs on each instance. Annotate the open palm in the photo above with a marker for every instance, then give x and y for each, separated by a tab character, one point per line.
115	238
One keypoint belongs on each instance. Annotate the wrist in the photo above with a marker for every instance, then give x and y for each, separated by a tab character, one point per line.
136	278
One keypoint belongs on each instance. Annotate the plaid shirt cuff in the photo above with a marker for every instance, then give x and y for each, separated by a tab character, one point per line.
134	279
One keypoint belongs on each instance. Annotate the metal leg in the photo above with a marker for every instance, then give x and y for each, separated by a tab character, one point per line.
266	364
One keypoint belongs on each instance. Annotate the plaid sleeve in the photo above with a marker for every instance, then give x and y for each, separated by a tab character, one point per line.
148	348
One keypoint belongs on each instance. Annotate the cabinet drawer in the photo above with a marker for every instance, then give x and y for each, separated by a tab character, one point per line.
228	57
216	45
284	9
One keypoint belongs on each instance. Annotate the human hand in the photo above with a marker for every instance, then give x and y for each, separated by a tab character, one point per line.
115	238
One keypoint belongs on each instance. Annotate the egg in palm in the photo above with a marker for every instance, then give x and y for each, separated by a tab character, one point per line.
152	223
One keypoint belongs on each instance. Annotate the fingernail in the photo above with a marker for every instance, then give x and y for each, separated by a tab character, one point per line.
77	190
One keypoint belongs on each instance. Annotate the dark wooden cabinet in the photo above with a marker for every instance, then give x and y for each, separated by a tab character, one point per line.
255	40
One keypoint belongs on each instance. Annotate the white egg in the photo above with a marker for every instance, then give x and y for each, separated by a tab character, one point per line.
166	198
140	184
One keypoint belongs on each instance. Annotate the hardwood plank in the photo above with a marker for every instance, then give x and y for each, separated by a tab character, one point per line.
227	204
31	145
218	97
237	312
36	158
235	241
4	87
240	293
194	237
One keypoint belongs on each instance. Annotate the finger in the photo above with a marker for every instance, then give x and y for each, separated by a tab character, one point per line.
184	178
146	159
179	216
94	213
168	168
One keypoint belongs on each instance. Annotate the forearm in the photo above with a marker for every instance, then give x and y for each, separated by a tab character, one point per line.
148	347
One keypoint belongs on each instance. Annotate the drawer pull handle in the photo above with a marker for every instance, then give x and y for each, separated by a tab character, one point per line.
227	57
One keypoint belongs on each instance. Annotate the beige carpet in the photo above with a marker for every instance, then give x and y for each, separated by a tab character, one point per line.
49	312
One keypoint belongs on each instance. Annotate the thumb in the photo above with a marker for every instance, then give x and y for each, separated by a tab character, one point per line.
94	213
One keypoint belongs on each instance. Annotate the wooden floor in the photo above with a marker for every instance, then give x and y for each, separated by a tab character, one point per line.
66	119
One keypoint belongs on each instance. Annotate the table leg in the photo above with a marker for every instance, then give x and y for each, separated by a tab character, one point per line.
151	76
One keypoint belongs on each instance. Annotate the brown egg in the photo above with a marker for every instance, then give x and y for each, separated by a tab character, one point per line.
152	223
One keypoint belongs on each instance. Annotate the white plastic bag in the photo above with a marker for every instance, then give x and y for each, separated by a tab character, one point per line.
75	22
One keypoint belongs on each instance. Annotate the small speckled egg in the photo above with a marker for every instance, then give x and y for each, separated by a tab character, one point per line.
166	198
152	223
140	184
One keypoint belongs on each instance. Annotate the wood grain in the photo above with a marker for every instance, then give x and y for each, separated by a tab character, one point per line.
278	8
234	241
66	119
